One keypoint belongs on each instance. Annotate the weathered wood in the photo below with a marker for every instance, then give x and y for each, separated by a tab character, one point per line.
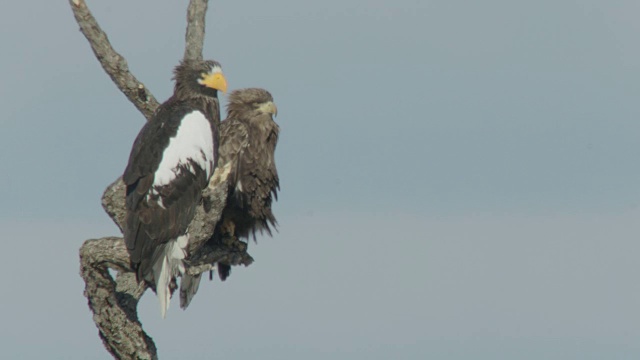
113	63
114	312
194	37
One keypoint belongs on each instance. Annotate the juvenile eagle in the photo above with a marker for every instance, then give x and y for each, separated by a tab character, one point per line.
249	142
171	162
248	138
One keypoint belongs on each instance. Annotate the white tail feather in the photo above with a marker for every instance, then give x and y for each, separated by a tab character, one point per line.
168	265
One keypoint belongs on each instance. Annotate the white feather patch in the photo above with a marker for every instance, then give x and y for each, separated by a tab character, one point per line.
193	141
167	266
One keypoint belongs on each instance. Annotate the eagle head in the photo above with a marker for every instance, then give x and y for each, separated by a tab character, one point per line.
199	78
250	102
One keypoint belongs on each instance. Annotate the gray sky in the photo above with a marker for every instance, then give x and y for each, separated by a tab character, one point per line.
459	179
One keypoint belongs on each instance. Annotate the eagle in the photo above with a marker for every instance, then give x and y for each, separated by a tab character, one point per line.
248	138
171	162
249	142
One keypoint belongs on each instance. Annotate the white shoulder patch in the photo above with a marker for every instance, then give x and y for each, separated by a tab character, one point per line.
193	141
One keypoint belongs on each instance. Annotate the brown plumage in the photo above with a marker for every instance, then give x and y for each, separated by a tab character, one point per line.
248	138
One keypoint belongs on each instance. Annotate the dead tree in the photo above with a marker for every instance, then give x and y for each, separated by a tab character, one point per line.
114	302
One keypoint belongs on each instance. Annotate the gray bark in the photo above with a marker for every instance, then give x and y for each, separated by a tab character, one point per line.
194	37
113	63
114	302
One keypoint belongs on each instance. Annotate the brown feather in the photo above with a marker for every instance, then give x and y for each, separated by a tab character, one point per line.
248	139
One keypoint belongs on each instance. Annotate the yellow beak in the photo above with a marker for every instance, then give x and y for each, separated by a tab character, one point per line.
215	81
269	108
274	109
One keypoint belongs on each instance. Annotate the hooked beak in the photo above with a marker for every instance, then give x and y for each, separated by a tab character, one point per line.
270	108
215	81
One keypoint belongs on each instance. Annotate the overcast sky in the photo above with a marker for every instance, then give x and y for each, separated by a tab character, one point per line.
459	178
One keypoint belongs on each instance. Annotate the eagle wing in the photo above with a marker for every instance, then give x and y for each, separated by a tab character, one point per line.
259	177
234	139
170	163
253	178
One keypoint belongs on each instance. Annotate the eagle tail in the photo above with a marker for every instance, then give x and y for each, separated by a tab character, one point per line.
224	271
167	265
188	289
189	284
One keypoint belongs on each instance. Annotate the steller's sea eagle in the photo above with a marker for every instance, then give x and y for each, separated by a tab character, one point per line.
171	162
248	138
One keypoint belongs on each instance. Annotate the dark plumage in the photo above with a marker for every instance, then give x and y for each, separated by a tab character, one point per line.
248	142
170	164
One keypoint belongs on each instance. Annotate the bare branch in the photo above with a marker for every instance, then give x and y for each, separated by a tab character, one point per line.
113	63
194	38
114	312
113	202
214	198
